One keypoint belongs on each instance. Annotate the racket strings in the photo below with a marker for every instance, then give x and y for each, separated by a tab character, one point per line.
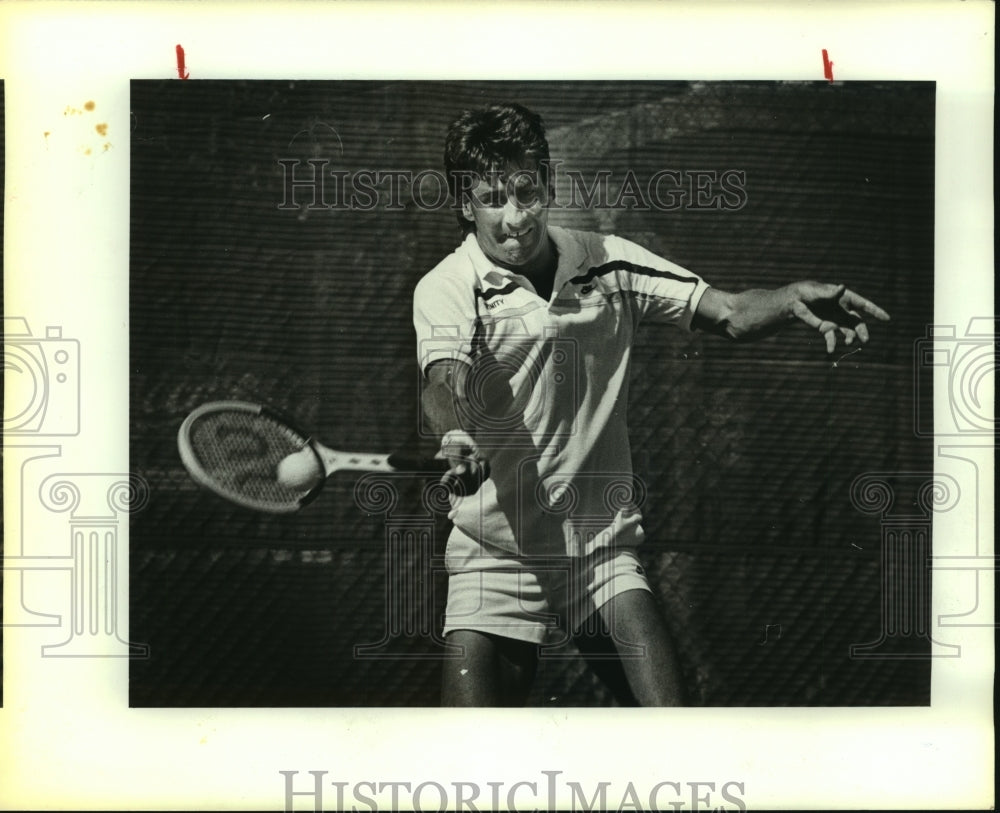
240	451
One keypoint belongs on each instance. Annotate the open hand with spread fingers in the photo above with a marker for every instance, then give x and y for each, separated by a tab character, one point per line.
834	309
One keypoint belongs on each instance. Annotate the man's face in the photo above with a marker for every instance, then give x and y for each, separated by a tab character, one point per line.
511	216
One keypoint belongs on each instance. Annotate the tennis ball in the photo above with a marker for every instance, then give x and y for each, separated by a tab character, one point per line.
300	469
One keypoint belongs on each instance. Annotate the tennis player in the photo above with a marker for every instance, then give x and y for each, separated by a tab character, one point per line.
524	335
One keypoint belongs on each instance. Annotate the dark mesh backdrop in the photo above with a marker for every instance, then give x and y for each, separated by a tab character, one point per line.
747	452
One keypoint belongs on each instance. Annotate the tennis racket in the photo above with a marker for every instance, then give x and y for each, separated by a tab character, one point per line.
256	457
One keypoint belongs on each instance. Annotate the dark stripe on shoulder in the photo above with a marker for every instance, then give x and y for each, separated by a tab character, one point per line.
624	265
492	292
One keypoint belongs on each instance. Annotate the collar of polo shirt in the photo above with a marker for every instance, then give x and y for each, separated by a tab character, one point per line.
571	259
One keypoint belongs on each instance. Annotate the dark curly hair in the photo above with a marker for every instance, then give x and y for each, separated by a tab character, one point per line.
490	141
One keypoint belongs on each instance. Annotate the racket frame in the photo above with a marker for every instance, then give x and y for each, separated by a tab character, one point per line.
329	460
194	468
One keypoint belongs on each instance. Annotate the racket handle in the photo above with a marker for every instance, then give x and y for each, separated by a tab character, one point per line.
402	461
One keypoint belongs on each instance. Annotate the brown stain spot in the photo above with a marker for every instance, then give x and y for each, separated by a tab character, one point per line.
107	146
89	106
102	129
48	133
87	151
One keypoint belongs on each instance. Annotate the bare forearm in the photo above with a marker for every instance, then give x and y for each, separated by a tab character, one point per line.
830	309
444	399
750	314
438	402
448	414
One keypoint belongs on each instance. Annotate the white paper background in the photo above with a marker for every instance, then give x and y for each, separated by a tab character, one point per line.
67	737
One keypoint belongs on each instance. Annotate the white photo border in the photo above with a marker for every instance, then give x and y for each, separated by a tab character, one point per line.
67	735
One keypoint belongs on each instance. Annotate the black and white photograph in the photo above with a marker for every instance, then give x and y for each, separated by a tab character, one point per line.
666	350
511	407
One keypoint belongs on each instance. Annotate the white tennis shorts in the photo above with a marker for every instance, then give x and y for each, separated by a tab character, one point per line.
539	599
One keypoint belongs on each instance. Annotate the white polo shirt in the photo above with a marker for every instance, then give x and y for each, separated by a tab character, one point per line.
549	386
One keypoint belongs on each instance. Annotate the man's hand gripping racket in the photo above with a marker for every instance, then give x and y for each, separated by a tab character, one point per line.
467	467
256	457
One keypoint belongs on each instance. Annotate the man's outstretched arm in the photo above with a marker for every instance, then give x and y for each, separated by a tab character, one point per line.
829	309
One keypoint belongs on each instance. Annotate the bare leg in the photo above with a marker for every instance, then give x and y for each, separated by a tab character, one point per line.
492	671
655	675
598	650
